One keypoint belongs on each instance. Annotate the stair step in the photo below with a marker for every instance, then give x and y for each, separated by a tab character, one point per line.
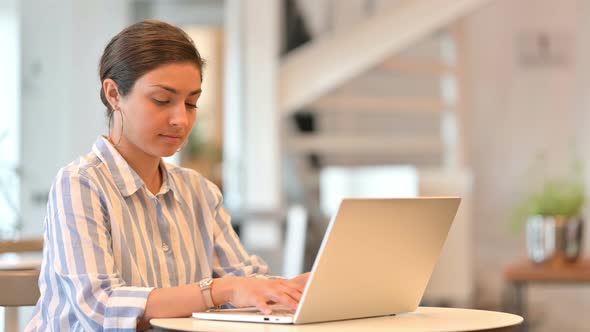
391	145
416	158
417	66
383	104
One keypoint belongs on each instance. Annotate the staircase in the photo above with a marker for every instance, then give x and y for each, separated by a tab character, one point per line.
388	90
406	109
339	57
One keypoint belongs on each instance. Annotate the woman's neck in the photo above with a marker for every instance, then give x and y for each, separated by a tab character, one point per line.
146	166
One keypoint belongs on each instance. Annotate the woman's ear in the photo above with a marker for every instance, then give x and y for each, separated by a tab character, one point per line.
111	92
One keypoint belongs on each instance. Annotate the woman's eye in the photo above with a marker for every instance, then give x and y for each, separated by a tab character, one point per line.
161	102
191	105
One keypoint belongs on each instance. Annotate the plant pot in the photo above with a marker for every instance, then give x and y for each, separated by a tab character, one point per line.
554	239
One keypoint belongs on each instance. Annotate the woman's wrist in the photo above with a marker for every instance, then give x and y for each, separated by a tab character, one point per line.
221	290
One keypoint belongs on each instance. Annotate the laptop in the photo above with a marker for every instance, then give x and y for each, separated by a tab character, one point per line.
376	259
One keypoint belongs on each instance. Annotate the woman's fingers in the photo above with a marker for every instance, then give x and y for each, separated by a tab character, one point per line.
293	285
284	299
263	293
262	305
286	293
294	293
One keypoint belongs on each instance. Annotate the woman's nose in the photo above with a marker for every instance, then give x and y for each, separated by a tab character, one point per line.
179	116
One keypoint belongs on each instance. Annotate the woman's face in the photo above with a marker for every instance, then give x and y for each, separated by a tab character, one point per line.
160	110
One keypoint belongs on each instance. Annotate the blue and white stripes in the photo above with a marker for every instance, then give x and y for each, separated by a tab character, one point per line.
109	242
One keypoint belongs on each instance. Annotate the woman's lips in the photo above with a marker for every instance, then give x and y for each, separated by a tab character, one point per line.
175	139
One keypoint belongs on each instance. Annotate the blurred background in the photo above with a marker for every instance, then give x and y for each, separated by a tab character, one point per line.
309	101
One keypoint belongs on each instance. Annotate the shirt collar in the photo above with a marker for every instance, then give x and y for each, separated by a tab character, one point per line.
126	179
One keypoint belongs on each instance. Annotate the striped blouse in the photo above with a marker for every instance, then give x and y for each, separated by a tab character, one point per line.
109	242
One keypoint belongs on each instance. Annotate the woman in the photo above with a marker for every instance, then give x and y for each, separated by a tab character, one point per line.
127	236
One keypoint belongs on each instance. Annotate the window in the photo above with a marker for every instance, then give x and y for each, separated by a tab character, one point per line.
369	181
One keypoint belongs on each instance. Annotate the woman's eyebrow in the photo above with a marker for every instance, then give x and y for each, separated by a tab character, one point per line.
196	92
167	88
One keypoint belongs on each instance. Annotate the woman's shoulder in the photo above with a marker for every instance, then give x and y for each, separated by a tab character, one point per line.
83	168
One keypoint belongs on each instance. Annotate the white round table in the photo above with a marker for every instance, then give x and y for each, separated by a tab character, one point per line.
424	319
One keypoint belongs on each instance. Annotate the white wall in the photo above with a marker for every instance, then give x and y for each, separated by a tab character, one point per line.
62	41
9	117
516	111
61	112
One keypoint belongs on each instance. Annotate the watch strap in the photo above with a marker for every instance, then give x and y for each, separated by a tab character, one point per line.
205	286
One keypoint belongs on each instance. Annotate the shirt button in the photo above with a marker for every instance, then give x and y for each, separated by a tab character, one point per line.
165	247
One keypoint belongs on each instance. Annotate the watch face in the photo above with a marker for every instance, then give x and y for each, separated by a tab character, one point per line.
206	282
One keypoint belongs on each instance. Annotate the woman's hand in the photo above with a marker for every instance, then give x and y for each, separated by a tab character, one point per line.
301	279
260	293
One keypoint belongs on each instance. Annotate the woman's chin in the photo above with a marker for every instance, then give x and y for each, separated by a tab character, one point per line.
165	151
168	153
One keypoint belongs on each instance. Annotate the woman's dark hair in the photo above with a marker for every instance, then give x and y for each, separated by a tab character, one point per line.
141	48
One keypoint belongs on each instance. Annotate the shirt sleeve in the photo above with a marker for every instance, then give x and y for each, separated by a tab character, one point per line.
229	256
81	257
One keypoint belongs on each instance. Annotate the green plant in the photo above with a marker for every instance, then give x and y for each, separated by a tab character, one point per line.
558	196
199	147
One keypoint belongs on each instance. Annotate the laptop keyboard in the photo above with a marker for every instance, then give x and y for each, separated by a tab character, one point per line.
276	311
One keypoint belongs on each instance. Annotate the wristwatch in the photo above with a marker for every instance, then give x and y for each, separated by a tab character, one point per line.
205	286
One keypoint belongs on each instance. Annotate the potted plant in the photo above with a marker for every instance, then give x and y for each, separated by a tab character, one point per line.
553	218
